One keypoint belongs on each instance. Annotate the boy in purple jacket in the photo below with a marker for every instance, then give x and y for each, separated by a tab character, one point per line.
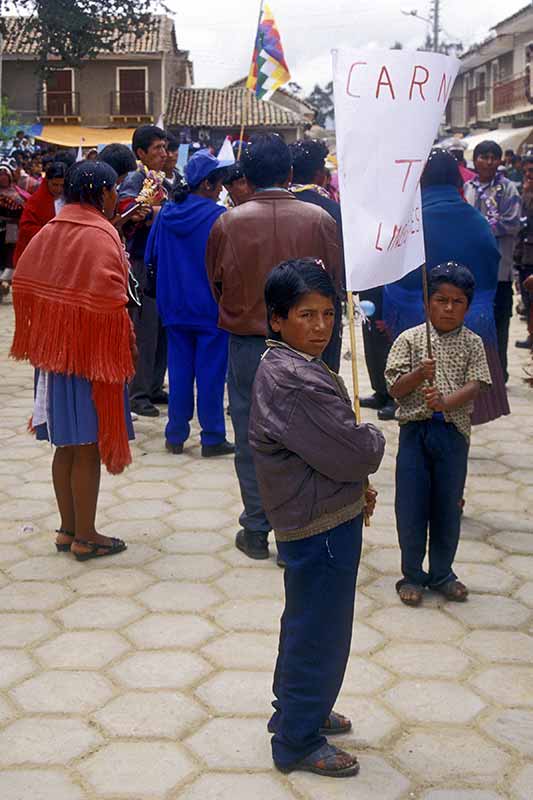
312	461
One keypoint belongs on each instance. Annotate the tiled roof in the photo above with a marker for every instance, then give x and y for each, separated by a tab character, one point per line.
242	82
226	108
158	37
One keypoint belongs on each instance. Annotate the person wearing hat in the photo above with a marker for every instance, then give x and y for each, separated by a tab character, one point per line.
197	348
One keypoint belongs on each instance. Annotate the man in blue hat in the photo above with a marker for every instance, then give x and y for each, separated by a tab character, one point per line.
197	348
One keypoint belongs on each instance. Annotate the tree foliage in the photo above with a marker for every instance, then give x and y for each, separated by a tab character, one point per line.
73	30
322	100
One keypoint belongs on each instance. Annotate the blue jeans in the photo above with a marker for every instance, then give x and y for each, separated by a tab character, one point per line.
315	637
201	355
430	478
244	358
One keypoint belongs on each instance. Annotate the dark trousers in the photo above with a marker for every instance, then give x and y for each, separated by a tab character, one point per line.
244	357
503	311
315	637
151	344
376	344
201	356
430	478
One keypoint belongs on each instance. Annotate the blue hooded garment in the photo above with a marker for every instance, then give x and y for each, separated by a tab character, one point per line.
453	231
177	246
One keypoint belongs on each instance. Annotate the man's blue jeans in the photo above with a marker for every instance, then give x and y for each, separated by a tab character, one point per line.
430	478
315	637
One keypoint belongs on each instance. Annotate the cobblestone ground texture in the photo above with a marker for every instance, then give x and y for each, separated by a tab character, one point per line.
147	676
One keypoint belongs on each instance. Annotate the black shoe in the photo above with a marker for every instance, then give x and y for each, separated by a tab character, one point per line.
253	545
280	562
225	448
524	344
387	412
161	398
145	409
374	401
175	449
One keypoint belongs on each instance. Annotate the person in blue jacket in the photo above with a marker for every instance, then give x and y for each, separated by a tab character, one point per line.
197	348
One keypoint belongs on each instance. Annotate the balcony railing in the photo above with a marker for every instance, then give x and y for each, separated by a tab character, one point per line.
61	105
510	94
132	104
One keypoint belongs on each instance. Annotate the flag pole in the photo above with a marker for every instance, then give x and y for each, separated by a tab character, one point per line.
246	98
425	289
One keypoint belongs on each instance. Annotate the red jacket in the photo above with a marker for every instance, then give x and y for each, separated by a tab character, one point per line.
38	210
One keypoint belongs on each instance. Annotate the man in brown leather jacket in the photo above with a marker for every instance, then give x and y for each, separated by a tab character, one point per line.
244	246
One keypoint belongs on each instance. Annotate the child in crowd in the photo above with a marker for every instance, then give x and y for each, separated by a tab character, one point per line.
436	397
312	461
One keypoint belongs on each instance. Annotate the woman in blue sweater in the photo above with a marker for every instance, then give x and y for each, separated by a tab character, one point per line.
197	349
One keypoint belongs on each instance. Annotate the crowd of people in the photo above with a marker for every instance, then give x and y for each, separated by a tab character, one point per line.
125	269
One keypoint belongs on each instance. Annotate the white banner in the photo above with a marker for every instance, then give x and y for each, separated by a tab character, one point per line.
388	107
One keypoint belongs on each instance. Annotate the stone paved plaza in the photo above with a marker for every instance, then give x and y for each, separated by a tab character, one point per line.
147	676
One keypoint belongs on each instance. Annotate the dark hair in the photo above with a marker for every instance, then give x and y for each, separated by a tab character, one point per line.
182	191
266	161
487	147
290	281
441	169
67	157
172	143
56	169
308	157
120	157
145	135
454	273
86	180
509	152
233	173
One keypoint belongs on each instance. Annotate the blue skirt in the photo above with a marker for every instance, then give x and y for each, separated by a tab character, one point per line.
71	412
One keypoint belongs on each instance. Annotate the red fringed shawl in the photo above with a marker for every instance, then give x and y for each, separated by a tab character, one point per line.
70	295
38	210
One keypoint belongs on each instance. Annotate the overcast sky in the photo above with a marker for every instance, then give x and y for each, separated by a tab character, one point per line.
220	33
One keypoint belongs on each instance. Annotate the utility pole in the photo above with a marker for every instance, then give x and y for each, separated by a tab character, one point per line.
435	18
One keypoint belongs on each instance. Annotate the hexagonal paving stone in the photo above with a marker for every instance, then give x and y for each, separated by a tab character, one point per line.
365	639
384	559
235	786
238	692
42	568
150	714
62	691
434	701
372	723
24	508
446	754
6	711
364	677
114	581
525	594
514	542
500	645
243	651
38	784
522	566
428	625
187	567
424	660
163	670
147	491
229	744
182	596
96	612
21	630
512	727
41	740
490	611
14	666
461	794
382	590
130	769
257	614
141	509
477	552
522	785
509	685
252	583
170	630
202	498
32	596
376	776
202	519
82	650
486	578
197	542
141	530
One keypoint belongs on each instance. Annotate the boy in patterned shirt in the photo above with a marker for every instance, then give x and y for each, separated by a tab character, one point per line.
435	397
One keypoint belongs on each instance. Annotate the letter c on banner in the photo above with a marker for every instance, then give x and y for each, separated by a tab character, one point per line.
419	83
354	65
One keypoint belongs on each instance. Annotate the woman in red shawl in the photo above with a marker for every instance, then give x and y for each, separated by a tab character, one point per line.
71	323
41	206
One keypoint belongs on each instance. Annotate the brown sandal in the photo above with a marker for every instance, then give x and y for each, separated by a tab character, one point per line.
92	549
455	591
335	725
410	594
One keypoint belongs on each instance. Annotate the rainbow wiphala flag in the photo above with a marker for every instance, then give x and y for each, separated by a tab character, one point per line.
269	70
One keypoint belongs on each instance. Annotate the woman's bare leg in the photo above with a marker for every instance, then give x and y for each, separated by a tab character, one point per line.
61	476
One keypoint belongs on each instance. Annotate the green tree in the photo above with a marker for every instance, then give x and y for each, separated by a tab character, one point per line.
9	122
322	100
77	29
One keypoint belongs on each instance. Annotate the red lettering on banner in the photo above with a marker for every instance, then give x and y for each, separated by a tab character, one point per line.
419	83
348	84
377	245
409	162
384	74
445	88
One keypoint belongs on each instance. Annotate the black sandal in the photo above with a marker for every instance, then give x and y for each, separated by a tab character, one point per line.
410	594
329	761
455	591
64	547
116	546
335	725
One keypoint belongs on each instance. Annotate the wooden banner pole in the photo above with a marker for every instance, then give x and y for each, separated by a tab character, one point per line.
426	309
355	376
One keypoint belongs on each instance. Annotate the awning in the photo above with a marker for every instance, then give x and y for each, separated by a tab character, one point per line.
76	135
507	138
